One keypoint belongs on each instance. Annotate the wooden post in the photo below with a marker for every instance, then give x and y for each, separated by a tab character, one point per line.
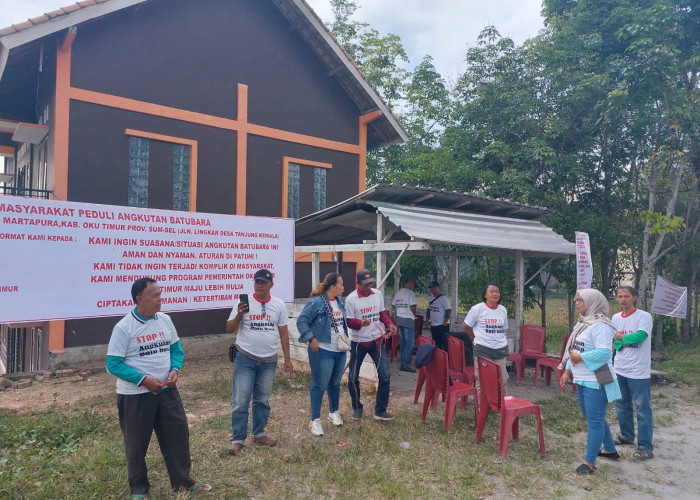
519	294
454	295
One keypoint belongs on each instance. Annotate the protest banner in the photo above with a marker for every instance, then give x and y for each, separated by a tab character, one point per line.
584	264
67	260
669	299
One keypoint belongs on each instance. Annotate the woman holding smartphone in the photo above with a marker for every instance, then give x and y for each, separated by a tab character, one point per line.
319	324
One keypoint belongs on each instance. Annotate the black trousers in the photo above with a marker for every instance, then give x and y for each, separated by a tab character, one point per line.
139	416
439	334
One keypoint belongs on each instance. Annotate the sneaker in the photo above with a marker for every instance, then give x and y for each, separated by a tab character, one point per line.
265	441
407	369
383	416
334	417
316	427
234	448
357	414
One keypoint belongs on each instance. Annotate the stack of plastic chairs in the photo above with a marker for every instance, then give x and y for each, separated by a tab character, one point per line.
459	370
545	366
532	338
438	375
422	339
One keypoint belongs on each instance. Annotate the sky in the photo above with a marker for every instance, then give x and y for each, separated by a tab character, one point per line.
444	29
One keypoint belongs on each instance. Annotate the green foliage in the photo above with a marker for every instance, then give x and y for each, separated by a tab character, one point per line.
660	223
596	118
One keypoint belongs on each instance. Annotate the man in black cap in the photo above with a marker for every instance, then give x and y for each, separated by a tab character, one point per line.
259	325
438	313
363	309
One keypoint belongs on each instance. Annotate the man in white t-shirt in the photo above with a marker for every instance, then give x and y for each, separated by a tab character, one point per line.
632	366
259	326
364	310
439	312
404	303
145	355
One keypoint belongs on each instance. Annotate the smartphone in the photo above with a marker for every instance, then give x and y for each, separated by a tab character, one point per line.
244	300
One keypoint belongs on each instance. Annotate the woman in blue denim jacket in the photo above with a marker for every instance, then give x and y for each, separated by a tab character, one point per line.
319	324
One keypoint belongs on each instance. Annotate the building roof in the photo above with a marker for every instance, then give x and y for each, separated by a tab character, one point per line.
383	131
436	217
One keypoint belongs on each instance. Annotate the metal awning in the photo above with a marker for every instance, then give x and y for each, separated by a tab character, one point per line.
426	217
423	221
476	230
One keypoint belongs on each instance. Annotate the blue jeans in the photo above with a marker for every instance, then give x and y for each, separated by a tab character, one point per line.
251	378
593	403
327	369
639	392
408	336
378	354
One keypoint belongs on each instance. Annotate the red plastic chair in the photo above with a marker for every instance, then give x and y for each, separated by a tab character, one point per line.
532	339
438	375
459	370
546	366
418	327
421	339
510	407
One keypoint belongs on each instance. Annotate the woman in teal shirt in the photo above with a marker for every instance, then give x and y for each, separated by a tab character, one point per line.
590	349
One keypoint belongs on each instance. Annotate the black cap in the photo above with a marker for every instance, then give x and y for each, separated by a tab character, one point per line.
434	283
365	276
263	275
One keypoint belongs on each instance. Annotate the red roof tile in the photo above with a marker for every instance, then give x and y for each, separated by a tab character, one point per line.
48	16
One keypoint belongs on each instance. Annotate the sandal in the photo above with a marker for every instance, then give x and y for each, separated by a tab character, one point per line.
200	488
611	455
619	440
642	454
585	469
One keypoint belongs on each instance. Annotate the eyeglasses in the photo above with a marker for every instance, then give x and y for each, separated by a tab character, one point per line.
576	299
262	305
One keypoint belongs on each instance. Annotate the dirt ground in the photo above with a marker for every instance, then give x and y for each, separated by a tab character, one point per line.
673	473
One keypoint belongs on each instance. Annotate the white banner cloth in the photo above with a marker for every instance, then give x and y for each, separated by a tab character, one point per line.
669	299
584	264
76	260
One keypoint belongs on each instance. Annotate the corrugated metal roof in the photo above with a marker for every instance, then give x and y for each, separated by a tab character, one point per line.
475	230
435	216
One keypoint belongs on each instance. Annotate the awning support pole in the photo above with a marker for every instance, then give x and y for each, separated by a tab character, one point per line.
380	284
315	269
454	296
519	294
381	255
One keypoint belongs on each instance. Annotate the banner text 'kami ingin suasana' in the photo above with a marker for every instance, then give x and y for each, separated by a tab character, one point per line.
76	260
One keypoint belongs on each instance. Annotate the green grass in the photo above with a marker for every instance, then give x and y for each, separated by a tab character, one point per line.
78	452
682	365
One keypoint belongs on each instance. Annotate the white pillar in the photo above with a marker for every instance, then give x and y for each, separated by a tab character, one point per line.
381	256
315	269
